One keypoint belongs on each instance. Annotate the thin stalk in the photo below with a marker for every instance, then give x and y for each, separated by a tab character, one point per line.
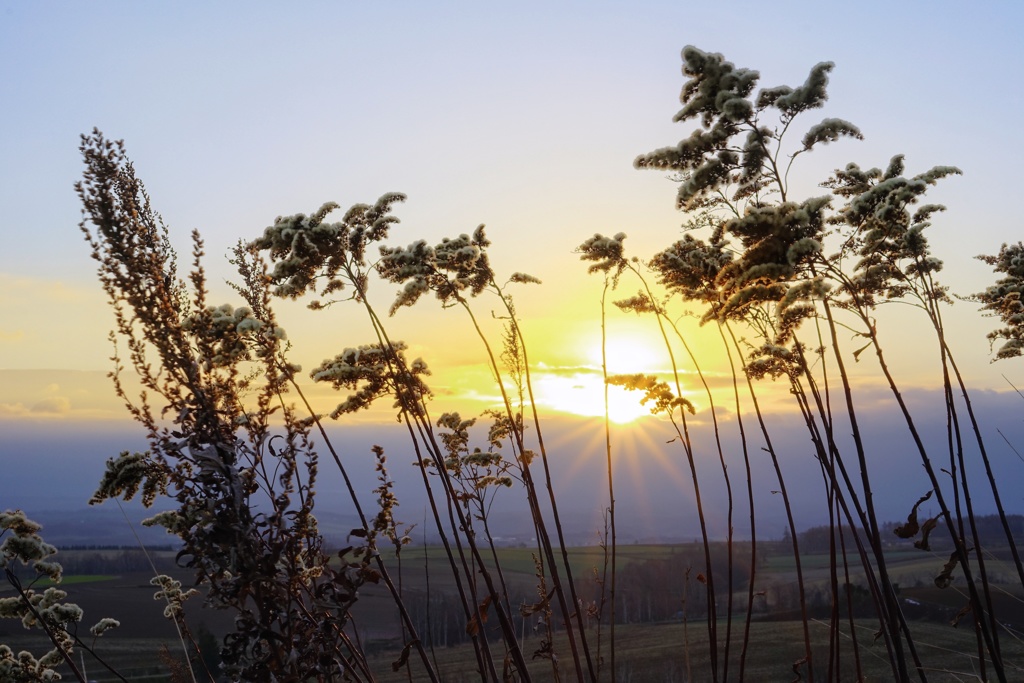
684	438
551	491
787	505
892	606
947	355
957	447
849	607
538	519
102	662
956	450
426	574
834	660
611	487
827	454
988	465
416	414
16	584
466	580
152	565
859	307
750	502
485	517
928	299
728	488
392	589
882	592
961	550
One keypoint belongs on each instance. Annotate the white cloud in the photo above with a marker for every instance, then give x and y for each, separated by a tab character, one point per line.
54	405
12	410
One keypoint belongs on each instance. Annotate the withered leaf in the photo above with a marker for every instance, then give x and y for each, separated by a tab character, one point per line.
370	575
945	577
856	354
527	610
545	651
482	610
964	611
403	658
508	671
796	669
910	529
926	530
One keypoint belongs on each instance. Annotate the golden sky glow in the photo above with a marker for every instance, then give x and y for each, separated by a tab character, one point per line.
584	395
479	115
582	392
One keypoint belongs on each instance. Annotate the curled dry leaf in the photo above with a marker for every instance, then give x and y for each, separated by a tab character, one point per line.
926	530
403	658
910	529
796	669
964	611
945	577
545	651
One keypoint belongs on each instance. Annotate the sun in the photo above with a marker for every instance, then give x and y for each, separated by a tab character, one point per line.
580	390
628	353
582	394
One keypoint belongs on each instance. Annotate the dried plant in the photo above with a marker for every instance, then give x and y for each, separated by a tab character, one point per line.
45	609
235	448
212	378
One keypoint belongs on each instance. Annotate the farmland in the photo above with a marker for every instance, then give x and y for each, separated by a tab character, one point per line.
664	649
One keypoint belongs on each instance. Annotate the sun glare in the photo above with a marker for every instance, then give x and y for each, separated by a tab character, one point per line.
627	354
583	394
581	391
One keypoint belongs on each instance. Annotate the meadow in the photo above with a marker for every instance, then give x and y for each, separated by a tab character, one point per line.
647	650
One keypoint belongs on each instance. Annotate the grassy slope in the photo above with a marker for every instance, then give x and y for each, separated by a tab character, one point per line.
658	653
645	652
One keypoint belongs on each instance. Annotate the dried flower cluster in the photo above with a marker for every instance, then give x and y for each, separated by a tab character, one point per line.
45	609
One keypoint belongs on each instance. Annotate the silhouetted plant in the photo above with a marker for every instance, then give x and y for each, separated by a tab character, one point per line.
1003	299
803	270
244	487
785	281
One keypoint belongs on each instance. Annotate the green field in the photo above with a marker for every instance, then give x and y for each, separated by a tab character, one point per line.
667	652
76	579
644	651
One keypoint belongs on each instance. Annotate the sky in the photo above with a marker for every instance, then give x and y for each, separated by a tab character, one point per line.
522	116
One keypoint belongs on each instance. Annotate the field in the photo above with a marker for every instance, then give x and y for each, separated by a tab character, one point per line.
669	650
655	652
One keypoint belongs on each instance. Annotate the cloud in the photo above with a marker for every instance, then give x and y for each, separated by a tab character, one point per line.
21	288
44	394
54	405
12	410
